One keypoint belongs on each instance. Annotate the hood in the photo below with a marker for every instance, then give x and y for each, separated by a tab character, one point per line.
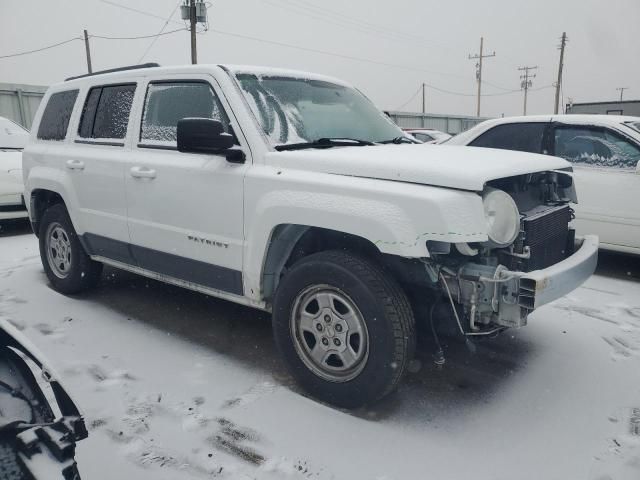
464	168
13	138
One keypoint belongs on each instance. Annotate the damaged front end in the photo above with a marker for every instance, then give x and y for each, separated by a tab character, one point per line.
39	422
531	256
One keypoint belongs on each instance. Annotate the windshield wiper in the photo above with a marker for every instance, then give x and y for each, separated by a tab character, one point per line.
398	140
325	143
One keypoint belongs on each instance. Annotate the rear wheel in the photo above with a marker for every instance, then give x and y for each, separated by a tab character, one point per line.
68	267
344	328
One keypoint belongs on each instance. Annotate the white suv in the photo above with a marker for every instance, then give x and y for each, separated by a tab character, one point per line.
290	192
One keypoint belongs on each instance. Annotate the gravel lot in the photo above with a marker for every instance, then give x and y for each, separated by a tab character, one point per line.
177	385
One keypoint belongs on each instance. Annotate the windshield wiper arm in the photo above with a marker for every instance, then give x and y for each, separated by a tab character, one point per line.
325	143
398	140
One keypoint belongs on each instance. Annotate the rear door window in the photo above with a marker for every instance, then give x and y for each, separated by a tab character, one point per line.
524	137
56	115
106	112
595	146
168	102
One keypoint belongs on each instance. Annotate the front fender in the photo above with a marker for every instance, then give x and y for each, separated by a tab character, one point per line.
399	218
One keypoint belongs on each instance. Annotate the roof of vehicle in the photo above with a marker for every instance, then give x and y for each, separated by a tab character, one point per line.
138	71
588	119
578	118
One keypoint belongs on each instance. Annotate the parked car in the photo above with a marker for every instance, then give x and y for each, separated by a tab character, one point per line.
40	423
605	153
13	138
427	135
292	193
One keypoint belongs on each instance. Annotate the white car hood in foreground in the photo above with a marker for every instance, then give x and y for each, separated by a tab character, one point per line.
465	168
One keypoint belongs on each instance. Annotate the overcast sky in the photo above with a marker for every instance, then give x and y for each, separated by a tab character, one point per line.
387	49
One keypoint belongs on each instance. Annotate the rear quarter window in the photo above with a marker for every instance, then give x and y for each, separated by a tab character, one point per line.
56	115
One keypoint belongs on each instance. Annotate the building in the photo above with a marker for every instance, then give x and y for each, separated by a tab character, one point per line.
451	124
626	107
20	102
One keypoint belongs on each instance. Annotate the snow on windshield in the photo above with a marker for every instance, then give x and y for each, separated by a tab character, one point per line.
295	110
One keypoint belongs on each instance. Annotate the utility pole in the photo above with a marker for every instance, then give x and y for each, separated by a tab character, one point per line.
525	83
424	99
195	11
88	51
563	43
622	89
192	29
479	70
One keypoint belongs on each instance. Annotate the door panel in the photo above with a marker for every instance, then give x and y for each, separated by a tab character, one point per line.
185	210
607	183
96	165
99	186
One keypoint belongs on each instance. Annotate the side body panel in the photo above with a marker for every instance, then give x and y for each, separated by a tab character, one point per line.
398	218
186	220
88	176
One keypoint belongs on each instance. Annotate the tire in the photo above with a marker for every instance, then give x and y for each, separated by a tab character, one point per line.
336	295
78	272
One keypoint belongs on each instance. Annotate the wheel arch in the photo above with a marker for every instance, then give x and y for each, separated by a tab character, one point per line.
289	243
40	200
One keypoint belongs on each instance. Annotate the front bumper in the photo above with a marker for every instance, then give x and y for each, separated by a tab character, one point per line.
540	287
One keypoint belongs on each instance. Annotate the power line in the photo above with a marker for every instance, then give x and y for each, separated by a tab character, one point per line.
138	37
160	32
102	37
141	12
339	19
410	98
359	59
328	12
41	49
303	7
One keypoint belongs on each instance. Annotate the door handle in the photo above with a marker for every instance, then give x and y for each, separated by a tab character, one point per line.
75	164
142	172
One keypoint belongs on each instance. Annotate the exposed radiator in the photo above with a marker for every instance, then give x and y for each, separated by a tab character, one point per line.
545	230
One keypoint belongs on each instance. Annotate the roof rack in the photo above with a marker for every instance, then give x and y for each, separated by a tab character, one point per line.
111	70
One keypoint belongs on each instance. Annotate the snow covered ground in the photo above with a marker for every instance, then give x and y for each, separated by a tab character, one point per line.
176	385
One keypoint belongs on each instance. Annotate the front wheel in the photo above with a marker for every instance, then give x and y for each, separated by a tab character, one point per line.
68	267
344	328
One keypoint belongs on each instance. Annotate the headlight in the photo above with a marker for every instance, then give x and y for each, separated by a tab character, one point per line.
502	217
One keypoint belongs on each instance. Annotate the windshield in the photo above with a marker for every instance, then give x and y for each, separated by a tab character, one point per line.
294	110
633	125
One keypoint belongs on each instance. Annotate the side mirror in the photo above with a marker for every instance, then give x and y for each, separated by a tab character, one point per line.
202	135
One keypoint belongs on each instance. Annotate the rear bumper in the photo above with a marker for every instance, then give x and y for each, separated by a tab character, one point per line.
540	287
